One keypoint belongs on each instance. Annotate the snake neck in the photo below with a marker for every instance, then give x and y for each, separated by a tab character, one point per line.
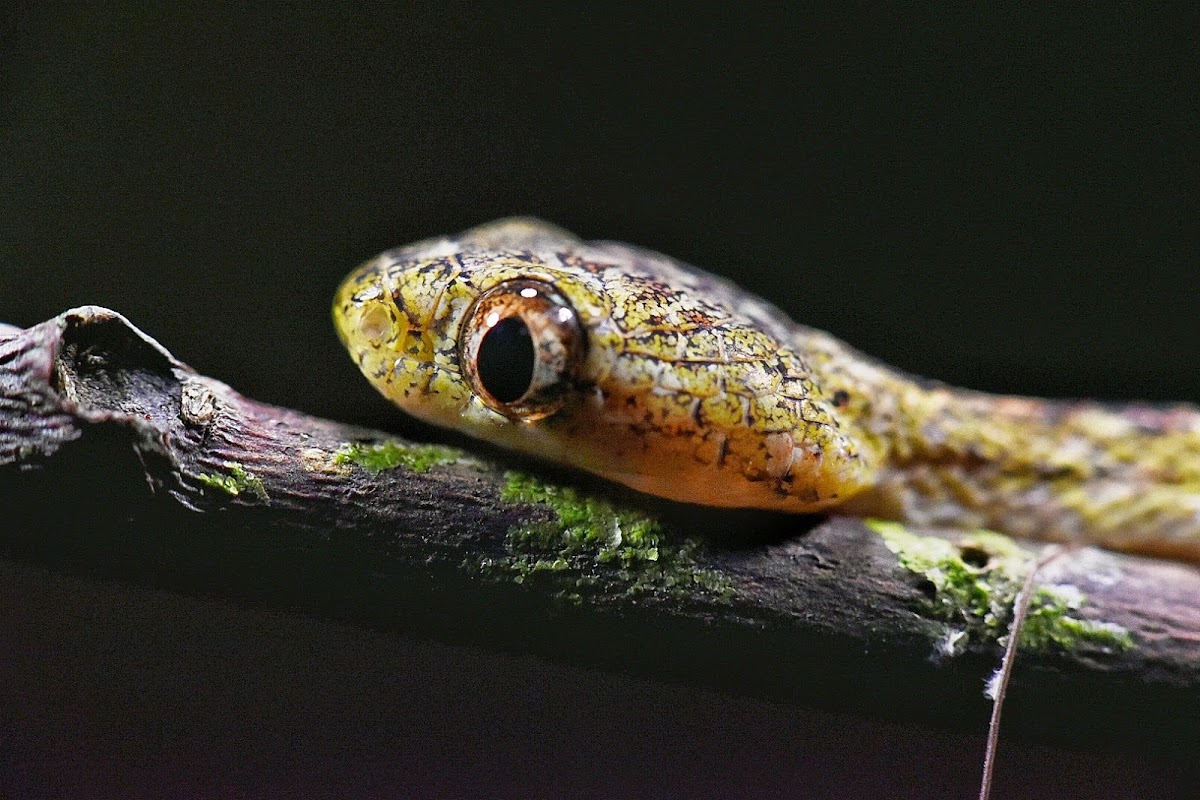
1125	478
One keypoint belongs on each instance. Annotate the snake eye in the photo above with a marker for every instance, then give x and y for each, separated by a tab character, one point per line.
519	344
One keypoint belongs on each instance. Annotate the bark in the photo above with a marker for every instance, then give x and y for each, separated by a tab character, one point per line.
118	460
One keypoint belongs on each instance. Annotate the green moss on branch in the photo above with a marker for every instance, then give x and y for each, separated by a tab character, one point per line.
236	481
592	544
975	583
390	454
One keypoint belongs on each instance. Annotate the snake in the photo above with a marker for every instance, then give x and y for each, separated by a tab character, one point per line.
626	363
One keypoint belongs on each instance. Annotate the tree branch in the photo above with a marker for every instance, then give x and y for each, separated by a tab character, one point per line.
117	459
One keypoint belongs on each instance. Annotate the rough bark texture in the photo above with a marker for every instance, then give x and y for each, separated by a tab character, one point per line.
118	460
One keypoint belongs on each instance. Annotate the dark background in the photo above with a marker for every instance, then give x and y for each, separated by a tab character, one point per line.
996	199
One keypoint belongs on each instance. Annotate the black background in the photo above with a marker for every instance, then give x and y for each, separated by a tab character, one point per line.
996	199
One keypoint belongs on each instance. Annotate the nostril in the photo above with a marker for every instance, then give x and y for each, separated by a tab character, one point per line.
376	324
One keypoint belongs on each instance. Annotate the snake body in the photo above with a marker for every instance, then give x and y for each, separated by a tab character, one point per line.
675	382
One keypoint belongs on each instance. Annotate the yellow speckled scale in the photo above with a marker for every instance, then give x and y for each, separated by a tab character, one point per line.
684	386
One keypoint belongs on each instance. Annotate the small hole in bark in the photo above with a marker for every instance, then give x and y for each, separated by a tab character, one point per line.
927	588
975	556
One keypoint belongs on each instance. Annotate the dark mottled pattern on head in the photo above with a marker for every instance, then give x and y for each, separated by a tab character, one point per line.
686	386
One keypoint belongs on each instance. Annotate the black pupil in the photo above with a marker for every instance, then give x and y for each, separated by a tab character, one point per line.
506	360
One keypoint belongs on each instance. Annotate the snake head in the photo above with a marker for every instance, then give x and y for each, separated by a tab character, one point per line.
470	331
599	355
